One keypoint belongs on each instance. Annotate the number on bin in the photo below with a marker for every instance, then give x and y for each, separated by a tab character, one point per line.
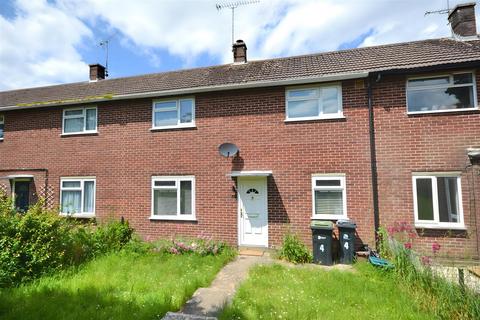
346	245
322	248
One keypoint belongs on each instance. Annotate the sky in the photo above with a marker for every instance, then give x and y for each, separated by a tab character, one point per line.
45	42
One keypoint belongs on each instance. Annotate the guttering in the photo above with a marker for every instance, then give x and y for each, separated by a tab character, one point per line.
174	92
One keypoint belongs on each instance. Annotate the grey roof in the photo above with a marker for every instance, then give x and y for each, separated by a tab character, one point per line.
434	52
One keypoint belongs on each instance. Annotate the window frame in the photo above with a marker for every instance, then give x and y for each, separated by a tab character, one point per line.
82	181
84	116
450	85
2	122
177	106
343	187
435	223
320	116
178	216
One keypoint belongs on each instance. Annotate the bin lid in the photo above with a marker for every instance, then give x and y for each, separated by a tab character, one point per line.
320	224
346	224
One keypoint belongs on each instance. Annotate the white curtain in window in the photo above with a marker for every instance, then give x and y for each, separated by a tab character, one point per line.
88	196
91	123
73	125
71	201
165	202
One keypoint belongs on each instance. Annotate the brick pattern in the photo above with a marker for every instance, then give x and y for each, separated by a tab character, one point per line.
125	154
425	143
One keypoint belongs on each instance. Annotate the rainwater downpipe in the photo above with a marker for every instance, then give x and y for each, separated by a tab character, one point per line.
373	157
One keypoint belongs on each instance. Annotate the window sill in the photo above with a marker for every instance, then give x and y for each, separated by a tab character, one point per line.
1	139
413	113
332	117
439	227
329	217
89	133
79	215
185	126
172	218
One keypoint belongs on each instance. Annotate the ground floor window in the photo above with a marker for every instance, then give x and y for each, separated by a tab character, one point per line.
173	198
329	197
438	200
77	196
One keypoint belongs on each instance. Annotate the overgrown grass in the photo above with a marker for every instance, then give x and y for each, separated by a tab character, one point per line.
447	300
125	285
278	292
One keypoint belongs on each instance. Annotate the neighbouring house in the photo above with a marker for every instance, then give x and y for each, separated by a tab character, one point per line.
378	135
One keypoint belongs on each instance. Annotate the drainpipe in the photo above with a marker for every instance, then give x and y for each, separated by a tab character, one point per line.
373	159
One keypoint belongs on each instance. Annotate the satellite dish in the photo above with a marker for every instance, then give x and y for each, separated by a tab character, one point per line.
228	149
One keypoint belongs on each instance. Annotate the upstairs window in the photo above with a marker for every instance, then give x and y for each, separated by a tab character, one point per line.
77	197
173	113
80	120
173	198
329	197
2	126
310	103
454	92
438	201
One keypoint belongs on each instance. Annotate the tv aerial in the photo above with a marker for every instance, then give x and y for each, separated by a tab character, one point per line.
232	6
104	44
441	11
228	149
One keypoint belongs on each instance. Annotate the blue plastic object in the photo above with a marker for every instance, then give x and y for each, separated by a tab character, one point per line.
379	262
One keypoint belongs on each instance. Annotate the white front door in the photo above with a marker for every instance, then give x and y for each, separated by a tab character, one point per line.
253	211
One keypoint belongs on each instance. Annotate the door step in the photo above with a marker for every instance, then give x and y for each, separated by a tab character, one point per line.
253	251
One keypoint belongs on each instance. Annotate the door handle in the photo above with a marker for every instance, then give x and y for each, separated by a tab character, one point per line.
241	212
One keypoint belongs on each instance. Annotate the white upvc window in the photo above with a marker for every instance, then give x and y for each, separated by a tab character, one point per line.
173	113
79	120
437	199
442	93
314	102
173	198
77	196
2	126
329	197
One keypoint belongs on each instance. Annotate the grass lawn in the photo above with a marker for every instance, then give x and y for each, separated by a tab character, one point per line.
278	292
117	286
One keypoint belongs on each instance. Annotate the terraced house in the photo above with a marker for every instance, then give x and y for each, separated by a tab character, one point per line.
378	135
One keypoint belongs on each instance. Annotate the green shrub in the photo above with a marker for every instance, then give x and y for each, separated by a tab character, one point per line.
294	250
40	241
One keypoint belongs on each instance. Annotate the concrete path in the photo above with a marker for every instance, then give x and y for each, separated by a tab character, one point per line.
206	303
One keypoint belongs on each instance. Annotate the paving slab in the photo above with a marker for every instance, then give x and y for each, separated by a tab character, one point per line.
210	301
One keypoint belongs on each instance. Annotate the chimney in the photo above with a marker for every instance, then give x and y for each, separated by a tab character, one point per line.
462	20
97	72
239	52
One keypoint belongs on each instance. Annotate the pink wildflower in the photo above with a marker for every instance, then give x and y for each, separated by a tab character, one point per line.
426	260
435	247
408	245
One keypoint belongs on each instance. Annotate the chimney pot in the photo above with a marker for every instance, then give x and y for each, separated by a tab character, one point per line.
462	20
97	72
239	49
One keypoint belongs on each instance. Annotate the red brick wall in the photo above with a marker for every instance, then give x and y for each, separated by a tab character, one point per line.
125	154
424	143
